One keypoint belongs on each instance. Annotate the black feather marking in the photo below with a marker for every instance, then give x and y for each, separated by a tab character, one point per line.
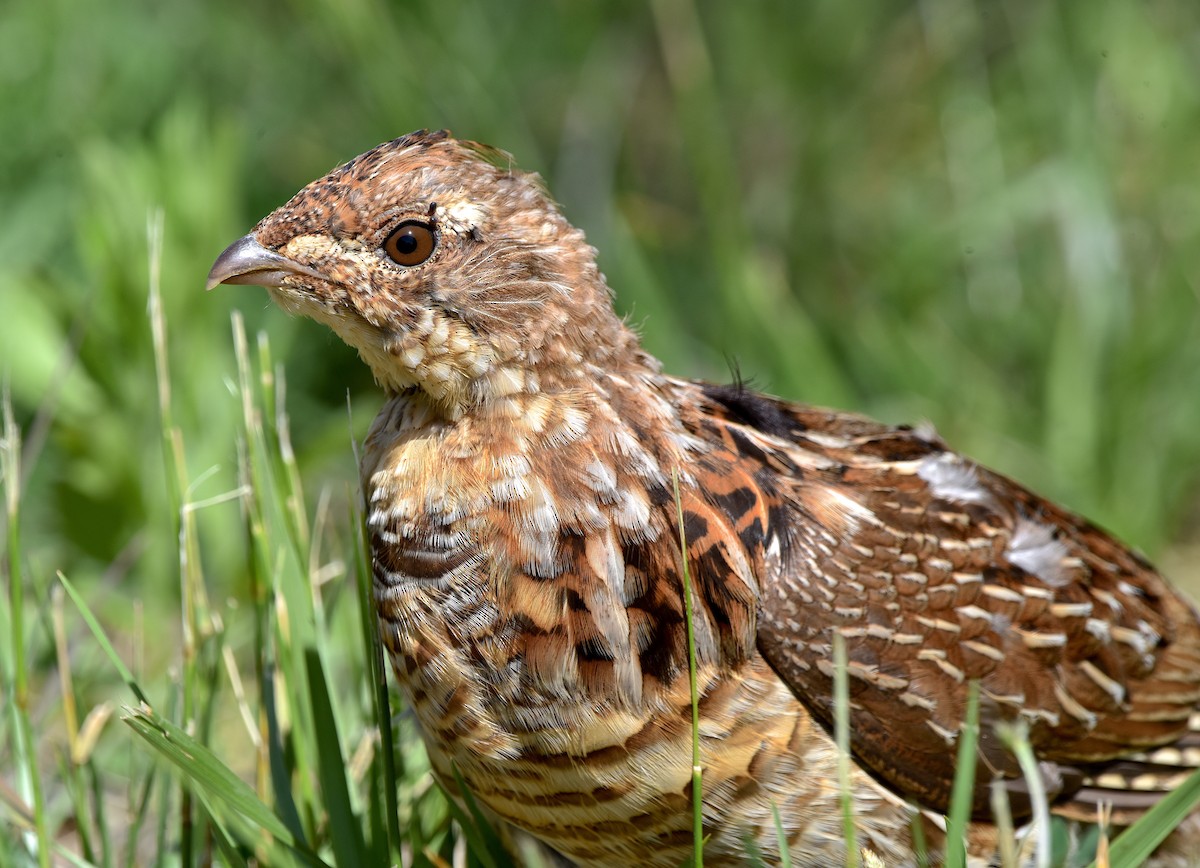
754	410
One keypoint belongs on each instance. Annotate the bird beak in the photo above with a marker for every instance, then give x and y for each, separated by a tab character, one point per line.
245	261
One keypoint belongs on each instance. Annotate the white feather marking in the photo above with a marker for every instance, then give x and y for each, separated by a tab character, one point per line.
509	490
511	465
633	511
1035	549
850	512
543	512
464	214
1108	685
926	431
601	478
1098	628
951	478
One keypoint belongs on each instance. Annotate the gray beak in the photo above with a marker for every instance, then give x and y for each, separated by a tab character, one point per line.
245	261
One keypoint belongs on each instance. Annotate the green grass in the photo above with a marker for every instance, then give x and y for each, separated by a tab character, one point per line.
689	605
291	770
978	214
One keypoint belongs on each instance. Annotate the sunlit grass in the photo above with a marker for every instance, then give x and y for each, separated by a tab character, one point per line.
326	793
15	655
689	607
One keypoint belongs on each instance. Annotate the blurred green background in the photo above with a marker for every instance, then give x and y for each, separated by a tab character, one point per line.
983	214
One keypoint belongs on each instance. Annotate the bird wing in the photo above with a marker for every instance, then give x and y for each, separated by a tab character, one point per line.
937	572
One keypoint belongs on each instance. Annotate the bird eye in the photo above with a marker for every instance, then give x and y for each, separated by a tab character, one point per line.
411	243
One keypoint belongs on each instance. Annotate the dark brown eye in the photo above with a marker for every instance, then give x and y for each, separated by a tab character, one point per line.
411	243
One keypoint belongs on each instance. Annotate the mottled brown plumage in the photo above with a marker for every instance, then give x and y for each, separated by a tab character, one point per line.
528	573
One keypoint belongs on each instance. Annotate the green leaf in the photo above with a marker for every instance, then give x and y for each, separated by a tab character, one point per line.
228	798
344	828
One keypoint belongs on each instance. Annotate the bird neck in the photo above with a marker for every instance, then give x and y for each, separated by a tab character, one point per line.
545	359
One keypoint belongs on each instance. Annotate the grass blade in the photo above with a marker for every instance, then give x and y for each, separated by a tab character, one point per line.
697	770
276	757
841	732
485	843
1016	738
344	828
29	775
785	853
964	782
105	645
381	706
1133	846
227	797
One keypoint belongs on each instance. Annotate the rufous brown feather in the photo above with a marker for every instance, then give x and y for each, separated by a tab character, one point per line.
528	562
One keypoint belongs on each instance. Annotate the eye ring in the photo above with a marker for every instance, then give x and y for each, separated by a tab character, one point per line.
411	243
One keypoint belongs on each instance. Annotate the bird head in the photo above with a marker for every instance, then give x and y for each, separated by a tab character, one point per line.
448	270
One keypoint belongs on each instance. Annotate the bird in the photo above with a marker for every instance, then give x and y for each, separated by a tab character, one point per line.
569	546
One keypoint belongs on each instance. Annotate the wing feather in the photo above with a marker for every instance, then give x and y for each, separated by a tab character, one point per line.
938	572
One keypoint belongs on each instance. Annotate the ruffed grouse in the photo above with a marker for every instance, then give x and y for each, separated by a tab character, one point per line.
529	578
